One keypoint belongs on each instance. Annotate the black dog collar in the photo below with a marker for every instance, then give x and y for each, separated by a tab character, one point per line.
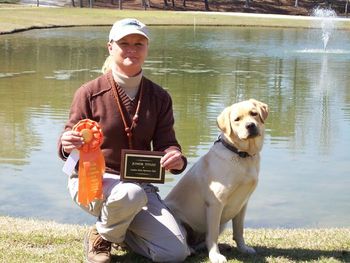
232	148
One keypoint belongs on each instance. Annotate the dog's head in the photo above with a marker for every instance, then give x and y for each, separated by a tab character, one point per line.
243	125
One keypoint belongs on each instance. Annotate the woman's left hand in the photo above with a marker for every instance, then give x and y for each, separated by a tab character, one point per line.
172	160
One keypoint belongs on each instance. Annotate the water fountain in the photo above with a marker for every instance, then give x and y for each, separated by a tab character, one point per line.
327	17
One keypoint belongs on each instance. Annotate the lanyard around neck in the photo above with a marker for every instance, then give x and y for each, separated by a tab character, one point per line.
135	118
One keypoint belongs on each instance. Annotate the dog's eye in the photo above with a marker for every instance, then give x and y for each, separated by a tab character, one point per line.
238	119
253	113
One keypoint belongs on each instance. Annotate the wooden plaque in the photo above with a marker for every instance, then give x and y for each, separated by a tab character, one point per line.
141	166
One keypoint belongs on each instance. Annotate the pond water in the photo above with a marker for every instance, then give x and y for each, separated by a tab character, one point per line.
305	167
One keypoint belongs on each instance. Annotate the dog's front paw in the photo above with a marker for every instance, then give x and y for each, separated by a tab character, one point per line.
217	258
246	250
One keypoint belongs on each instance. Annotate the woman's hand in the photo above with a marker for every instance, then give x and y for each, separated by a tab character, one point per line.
172	160
71	140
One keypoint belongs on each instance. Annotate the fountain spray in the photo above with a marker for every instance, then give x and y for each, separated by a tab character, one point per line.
327	17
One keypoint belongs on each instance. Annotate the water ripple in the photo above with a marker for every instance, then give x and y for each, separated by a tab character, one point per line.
15	74
66	74
323	51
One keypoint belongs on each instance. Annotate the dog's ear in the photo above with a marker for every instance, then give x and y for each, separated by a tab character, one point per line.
262	108
223	121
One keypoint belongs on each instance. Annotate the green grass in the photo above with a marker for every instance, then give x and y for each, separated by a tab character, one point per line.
14	18
30	240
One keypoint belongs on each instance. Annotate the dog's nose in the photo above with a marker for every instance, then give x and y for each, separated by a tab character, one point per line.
252	129
250	125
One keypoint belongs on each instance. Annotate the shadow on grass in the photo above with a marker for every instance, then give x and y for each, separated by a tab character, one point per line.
231	253
293	254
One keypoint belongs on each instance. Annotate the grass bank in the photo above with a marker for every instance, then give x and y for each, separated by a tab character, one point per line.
15	18
29	240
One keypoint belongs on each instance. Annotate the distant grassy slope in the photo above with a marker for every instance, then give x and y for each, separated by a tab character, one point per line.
30	240
15	18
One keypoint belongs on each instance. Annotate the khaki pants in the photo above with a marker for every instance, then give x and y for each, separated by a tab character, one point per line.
136	215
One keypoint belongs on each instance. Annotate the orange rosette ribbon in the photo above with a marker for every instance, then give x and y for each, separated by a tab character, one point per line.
91	163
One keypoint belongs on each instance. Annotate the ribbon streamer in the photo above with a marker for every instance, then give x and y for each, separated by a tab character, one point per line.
91	163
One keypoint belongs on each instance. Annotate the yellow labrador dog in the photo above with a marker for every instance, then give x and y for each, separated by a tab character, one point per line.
217	187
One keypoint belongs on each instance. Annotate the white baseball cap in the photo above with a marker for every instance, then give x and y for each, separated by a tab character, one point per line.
126	27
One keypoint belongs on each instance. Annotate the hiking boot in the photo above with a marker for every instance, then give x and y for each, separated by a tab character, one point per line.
97	249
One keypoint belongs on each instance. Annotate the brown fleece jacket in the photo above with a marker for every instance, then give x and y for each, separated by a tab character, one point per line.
154	131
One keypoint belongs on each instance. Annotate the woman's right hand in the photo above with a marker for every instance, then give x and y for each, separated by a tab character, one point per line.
71	140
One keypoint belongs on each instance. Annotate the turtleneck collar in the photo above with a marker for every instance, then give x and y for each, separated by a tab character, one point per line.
129	84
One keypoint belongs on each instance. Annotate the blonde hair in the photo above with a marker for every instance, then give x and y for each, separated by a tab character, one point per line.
107	65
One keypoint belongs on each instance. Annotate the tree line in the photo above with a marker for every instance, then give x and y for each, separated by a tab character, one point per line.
168	4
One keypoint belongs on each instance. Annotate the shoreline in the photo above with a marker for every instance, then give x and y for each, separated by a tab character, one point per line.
29	18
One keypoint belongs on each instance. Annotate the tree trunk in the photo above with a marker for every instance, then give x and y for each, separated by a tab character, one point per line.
206	3
120	4
184	3
329	3
346	8
145	4
165	3
81	3
73	3
296	3
37	3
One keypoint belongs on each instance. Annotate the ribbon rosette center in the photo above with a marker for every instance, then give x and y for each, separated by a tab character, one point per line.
87	135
